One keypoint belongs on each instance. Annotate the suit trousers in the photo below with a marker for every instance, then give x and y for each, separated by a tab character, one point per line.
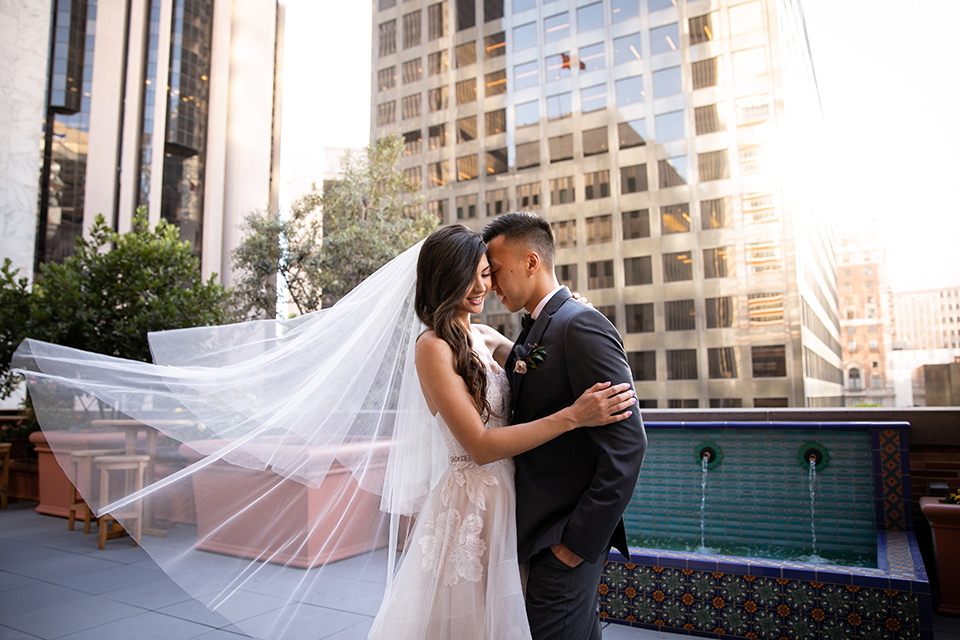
563	602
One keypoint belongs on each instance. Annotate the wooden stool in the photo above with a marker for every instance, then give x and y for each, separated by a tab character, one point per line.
83	459
5	477
107	525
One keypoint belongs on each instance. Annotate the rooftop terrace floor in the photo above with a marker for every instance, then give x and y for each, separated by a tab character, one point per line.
55	583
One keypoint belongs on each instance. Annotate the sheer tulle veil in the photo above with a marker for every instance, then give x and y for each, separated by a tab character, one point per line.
284	458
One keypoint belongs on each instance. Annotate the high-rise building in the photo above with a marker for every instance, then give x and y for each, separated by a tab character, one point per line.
865	322
927	319
165	104
666	142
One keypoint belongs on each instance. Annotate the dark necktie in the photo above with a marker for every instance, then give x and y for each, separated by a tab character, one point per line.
526	321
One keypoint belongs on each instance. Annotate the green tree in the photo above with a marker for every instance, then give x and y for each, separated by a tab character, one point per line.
110	293
332	240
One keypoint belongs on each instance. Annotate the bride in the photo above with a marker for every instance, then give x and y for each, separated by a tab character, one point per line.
319	443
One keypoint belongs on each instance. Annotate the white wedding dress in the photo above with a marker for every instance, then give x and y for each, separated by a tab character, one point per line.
460	579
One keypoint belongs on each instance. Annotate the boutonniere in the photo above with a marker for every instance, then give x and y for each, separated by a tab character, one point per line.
528	357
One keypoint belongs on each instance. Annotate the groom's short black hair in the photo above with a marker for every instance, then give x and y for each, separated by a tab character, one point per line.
526	227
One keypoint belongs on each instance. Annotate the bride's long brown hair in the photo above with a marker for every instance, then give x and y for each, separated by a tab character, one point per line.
445	271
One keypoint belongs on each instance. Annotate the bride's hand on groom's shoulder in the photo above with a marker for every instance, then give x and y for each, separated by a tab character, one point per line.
579	298
602	404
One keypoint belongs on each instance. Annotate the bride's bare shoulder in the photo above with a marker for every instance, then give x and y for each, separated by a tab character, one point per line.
429	345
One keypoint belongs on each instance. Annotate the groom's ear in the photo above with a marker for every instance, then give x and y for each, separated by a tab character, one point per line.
534	262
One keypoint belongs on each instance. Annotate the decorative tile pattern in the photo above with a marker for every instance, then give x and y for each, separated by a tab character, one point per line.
891	479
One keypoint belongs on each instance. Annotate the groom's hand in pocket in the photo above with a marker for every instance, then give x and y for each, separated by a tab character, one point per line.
564	555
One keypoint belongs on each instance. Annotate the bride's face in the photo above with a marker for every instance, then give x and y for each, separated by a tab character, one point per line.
472	302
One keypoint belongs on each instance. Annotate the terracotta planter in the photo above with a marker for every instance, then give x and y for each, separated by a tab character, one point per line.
54	484
310	515
24	481
944	522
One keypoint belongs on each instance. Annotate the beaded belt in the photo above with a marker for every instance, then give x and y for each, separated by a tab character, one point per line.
460	458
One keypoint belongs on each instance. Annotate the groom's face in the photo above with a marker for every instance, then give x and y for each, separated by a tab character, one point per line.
510	276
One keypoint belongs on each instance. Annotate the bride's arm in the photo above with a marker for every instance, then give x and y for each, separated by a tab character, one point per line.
498	344
446	392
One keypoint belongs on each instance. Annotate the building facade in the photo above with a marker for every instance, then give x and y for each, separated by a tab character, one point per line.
865	322
928	319
665	142
171	105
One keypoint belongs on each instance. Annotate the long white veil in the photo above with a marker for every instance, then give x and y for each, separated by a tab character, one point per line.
283	457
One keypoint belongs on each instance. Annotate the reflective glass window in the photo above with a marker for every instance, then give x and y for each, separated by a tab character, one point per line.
466	14
411	142
678	315
626	48
630	90
600	274
523	5
706	73
467	168
466	54
722	363
496	121
525	36
720	312
561	190
769	361
632	133
640	318
674	218
669	126
593	98
438	62
412	71
677	266
565	233
497	161
561	148
716	213
621	10
438	174
713	165
466	91
386	78
558	66
411	106
596	185
667	82
636	224
494	46
386	112
528	113
437	136
492	10
592	57
567	276
633	179
467	206
528	155
388	37
643	364
665	38
556	27
599	228
702	28
467	129
558	106
595	141
718	262
672	172
411	29
657	5
497	202
707	119
526	75
528	196
437	20
496	83
590	17
638	271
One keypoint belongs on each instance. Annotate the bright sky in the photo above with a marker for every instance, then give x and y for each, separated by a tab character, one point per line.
885	69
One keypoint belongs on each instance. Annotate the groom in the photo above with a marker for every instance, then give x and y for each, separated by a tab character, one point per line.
573	490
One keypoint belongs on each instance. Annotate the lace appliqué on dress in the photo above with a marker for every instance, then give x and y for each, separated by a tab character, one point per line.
472	479
462	558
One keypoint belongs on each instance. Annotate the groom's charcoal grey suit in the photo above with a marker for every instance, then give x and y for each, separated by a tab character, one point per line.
575	488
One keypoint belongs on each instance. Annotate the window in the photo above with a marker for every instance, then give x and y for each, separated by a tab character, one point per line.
629	90
624	9
386	78
492	10
763	256
558	67
674	218
876	381
681	364
677	266
770	403
497	202
528	113
656	5
467	207
528	155
626	49
595	141
410	106
716	213
561	190
633	178
702	29
753	110
640	318
593	98
874	345
664	39
556	27
523	5
438	98
525	36
713	165
561	148
496	121
437	20
565	233
438	136
528	197
600	229
592	57
386	112
494	46
590	17
467	168
567	275
412	71
467	129
758	207
496	83
637	271
388	37
632	133
466	14
437	208
722	362
438	174
725	403
526	75
411	142
667	82
437	62
466	91
851	345
643	364
707	119
719	312
414	177
705	73
497	161
672	171
609	311
558	106
387	4
769	361
600	274
752	159
679	315
669	126
636	224
411	29
718	263
465	54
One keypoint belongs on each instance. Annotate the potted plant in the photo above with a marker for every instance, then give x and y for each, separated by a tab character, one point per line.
943	514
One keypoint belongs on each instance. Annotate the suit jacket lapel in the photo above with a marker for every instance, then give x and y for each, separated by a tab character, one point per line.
535	336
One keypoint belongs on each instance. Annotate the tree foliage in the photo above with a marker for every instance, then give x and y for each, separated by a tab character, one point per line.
106	300
332	240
